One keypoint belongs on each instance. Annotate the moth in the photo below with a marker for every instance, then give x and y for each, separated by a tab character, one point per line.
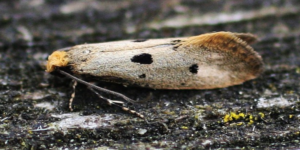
206	61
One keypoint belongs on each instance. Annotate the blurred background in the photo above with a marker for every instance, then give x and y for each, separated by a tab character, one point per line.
34	109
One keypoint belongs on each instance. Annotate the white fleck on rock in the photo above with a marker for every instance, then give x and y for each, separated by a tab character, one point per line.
277	101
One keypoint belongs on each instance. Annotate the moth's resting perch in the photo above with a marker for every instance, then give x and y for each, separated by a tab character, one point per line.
212	60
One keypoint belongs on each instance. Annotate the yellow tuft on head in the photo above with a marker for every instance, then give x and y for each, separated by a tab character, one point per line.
57	59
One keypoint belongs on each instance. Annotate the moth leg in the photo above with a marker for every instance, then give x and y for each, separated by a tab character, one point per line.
72	95
117	103
95	87
109	101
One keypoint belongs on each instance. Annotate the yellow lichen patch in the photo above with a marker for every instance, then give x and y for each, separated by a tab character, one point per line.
262	115
250	122
250	119
57	59
227	118
239	118
240	123
232	116
184	127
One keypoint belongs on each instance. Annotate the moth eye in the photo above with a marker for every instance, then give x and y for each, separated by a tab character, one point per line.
194	68
140	40
143	58
142	76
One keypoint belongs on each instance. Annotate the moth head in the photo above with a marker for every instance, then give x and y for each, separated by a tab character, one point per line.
57	59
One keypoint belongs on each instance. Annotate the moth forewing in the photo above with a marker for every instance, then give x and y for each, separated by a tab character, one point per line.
207	61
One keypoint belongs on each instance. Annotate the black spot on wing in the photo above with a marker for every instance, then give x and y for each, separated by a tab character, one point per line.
142	76
143	58
176	47
234	48
140	40
244	55
194	68
175	41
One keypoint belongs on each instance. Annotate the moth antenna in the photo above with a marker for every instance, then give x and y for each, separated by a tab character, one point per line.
133	112
64	49
72	95
115	102
96	87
